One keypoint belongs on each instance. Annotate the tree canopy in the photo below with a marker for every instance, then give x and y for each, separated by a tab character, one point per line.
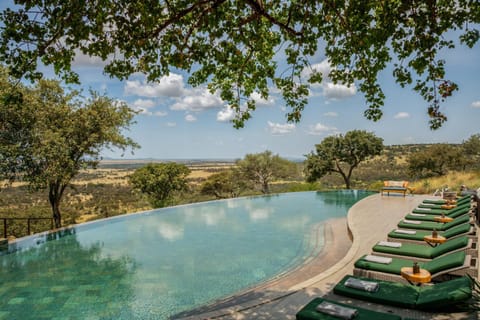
436	160
342	154
48	135
241	47
160	181
262	168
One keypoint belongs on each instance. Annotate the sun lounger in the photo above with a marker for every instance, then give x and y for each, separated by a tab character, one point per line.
416	236
427	211
430	225
428	298
310	312
443	201
431	217
462	208
418	252
457	263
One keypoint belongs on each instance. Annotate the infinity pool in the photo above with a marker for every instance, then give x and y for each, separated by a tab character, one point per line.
155	264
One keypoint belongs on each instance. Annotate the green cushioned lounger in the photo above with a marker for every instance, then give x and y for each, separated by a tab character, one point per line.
448	212
310	313
462	229
429	298
444	263
431	217
442	201
421	251
430	225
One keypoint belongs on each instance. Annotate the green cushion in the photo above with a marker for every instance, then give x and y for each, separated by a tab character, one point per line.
461	209
442	201
430	225
422	251
391	293
431	217
444	294
446	262
463	228
392	268
455	231
452	260
309	313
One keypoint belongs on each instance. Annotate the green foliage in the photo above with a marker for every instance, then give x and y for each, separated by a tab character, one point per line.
225	184
233	45
160	182
436	160
342	154
263	168
49	135
471	148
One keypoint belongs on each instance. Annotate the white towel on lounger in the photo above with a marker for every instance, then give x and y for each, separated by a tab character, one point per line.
412	221
418	214
390	244
424	209
405	231
372	258
336	310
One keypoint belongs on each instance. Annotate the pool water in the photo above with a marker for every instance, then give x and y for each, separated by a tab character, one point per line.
158	263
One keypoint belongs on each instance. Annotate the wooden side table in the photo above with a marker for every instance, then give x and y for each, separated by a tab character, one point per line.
434	241
423	276
443	219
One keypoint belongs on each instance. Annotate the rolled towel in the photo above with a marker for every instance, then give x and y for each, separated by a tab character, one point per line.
424	209
372	258
336	310
429	204
418	214
405	231
390	244
411	221
369	286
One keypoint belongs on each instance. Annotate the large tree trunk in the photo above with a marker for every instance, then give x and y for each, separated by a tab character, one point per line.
55	192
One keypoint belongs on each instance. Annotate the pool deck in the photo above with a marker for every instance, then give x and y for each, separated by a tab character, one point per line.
367	222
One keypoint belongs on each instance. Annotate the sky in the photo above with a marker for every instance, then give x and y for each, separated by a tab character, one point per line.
176	121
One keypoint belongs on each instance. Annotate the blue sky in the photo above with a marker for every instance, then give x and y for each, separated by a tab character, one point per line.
181	122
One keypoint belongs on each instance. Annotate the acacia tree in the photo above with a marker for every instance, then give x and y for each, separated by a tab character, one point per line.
263	168
233	45
60	135
435	160
160	181
225	184
342	154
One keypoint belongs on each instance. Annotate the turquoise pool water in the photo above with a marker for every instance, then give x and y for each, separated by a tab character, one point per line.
158	263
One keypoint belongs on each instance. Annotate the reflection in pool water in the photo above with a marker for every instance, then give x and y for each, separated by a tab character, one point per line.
158	263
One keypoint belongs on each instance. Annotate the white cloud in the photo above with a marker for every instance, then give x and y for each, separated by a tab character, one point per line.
171	124
144	103
338	91
198	100
160	113
83	60
402	115
476	104
168	86
190	118
260	101
332	91
330	114
319	129
277	128
225	115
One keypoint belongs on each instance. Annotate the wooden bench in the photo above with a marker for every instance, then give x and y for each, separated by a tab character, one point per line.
395	186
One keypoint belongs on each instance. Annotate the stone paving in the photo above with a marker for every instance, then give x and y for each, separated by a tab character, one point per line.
368	222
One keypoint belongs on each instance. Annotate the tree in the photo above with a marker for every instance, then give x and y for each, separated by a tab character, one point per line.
471	148
160	181
60	135
435	160
342	154
233	45
225	184
263	168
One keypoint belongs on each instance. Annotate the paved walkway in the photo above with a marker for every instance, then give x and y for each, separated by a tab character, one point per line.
368	222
